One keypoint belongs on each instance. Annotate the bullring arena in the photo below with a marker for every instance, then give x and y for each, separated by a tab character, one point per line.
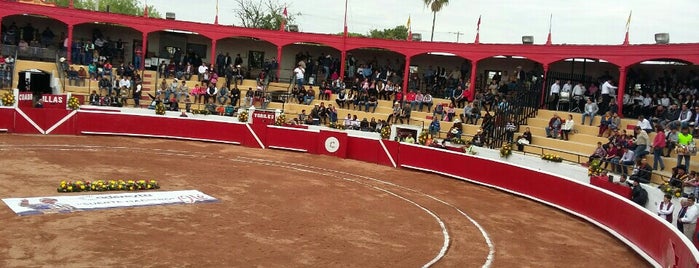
279	209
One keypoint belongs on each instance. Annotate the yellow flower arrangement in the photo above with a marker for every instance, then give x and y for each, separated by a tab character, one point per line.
385	132
281	120
422	139
73	103
506	150
104	185
243	117
160	108
671	190
595	168
8	99
552	157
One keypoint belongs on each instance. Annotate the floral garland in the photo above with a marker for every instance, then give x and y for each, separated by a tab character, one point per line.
73	103
160	108
422	139
595	168
281	120
385	132
669	189
552	158
457	141
8	99
204	112
111	185
506	150
335	125
243	117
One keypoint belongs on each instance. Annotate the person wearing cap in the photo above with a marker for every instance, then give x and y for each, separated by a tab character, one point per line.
689	220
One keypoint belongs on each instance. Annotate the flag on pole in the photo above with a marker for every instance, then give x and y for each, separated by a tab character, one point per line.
478	26
628	22
410	30
285	17
548	38
216	18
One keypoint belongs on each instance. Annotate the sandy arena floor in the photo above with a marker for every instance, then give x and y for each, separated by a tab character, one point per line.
278	209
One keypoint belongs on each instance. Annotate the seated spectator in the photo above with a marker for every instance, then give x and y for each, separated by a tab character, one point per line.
524	139
82	75
173	105
73	76
211	106
469	148
310	96
599	153
371	102
373	124
567	127
471	113
554	126
426	101
455	132
644	124
604	123
409	138
405	114
642	172
223	96
341	99
478	139
92	71
438	111
94	98
364	125
613	155
627	159
451	112
434	127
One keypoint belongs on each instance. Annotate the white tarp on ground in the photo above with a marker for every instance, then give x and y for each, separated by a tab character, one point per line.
73	203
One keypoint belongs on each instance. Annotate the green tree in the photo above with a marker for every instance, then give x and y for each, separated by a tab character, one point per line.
435	6
400	32
128	7
267	14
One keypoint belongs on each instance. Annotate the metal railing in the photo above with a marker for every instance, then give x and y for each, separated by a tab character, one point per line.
521	105
7	70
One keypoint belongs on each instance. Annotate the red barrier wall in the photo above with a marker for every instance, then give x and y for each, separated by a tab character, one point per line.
119	123
655	237
628	220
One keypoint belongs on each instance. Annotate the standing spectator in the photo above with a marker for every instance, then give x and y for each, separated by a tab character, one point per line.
510	128
235	95
553	95
591	110
685	142
642	142
434	127
689	220
639	195
137	95
299	73
666	208
658	147
606	91
567	127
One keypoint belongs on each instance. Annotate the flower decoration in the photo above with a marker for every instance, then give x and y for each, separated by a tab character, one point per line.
281	120
506	150
385	132
552	158
73	103
107	185
422	139
671	190
595	168
243	116
335	125
8	99
160	108
457	141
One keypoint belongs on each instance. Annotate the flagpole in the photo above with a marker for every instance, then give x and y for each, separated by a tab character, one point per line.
145	8
216	18
628	25
478	31
548	39
345	30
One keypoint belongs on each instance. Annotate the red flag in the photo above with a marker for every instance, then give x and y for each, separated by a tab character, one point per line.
283	24
478	27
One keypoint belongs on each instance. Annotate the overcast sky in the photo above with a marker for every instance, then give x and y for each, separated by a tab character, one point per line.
503	21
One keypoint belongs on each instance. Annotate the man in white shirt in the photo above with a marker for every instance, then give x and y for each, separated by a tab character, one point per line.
124	85
567	87
202	70
689	221
606	91
555	91
299	74
685	116
578	92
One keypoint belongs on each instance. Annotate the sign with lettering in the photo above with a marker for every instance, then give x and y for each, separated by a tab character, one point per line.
25	100
263	117
54	101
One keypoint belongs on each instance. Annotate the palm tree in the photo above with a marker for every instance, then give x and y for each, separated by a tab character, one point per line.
435	6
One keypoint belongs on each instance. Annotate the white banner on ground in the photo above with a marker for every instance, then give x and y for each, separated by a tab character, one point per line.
73	203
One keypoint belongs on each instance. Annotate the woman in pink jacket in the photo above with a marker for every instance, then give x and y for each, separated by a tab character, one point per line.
658	147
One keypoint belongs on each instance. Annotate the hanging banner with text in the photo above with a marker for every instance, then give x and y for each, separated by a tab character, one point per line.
74	203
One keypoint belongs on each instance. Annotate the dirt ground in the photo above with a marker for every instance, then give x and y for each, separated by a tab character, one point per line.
277	209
